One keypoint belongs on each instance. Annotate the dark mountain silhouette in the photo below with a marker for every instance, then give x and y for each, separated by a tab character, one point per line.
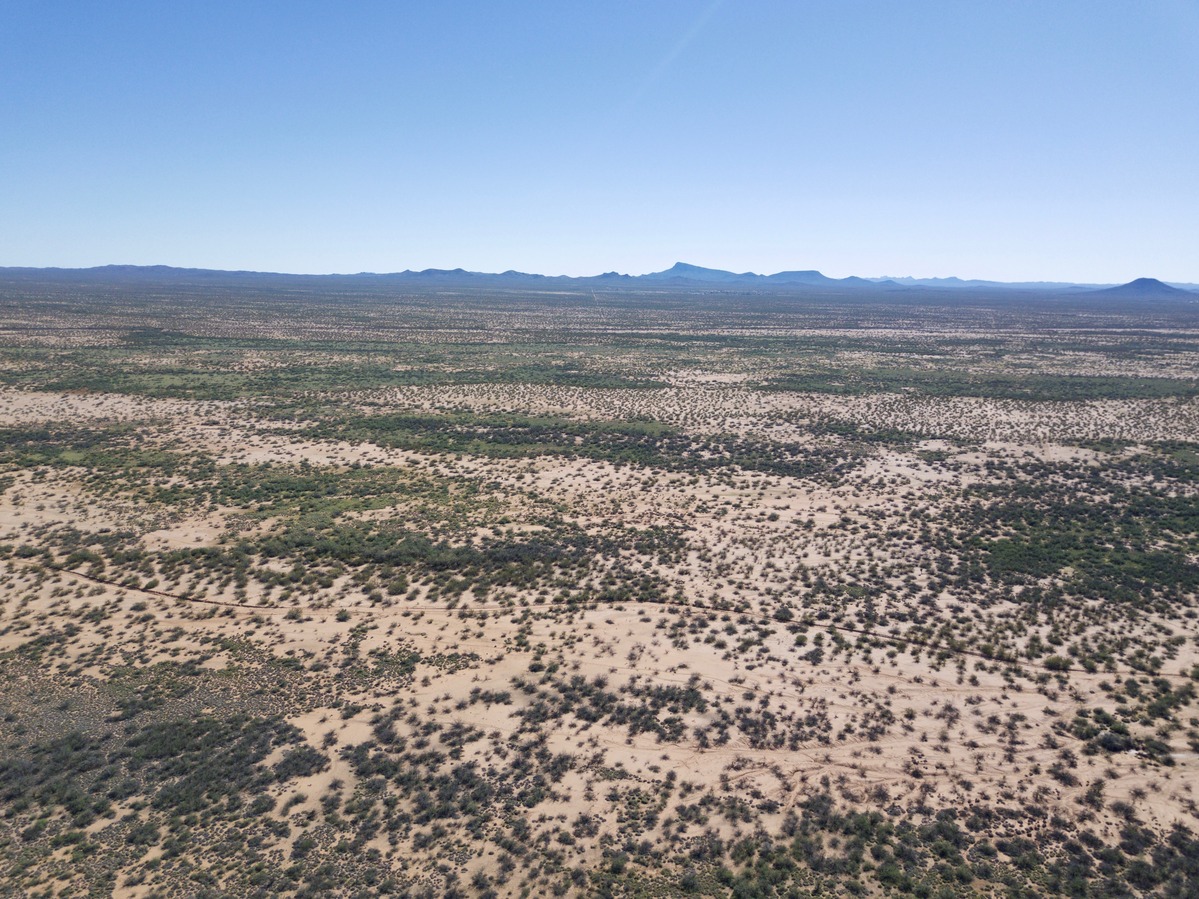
1148	288
808	277
681	275
683	271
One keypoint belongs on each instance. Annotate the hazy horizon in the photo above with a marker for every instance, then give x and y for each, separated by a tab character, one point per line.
914	279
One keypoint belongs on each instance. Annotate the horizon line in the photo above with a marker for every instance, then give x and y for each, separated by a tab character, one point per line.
899	279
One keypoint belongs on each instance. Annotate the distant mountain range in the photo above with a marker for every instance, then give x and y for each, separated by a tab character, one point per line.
681	274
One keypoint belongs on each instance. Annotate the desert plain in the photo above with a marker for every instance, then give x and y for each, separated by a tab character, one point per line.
318	592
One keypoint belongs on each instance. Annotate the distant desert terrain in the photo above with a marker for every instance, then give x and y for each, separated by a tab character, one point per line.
474	595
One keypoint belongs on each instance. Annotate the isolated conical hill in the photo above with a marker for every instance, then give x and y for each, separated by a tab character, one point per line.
1144	287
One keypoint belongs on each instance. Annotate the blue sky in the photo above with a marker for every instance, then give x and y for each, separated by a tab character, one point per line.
1013	140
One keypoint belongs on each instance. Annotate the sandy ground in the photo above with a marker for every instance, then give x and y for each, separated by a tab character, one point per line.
960	728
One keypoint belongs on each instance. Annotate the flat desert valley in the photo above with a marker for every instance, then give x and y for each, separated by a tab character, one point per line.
317	592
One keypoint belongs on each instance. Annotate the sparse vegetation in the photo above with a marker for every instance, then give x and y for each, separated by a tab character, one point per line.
644	595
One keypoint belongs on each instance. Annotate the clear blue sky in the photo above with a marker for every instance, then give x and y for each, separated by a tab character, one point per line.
1049	139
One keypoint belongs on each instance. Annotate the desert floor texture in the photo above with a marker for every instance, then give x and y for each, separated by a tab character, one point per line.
636	595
